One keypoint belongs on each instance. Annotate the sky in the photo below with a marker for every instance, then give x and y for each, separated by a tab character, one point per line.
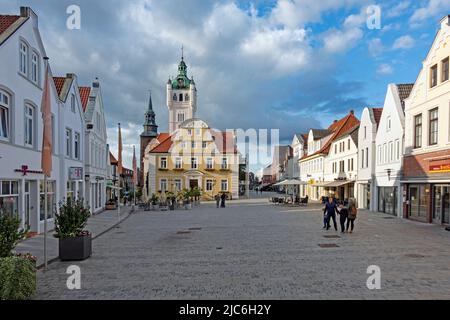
290	65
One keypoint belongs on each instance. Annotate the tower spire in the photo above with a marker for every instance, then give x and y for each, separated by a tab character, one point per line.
182	52
150	103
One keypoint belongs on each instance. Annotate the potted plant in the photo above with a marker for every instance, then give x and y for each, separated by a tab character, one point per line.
75	244
187	200
196	194
154	202
171	199
17	272
111	205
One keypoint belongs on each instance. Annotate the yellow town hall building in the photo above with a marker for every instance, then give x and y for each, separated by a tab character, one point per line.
191	155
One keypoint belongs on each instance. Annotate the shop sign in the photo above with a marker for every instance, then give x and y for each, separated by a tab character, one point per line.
76	174
440	168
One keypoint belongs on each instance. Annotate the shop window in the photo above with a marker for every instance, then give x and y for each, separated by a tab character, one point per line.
9	198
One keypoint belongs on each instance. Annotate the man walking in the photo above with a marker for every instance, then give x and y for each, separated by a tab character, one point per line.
343	213
217	198
331	209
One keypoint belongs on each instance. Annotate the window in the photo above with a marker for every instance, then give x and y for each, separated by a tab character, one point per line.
174	97
9	198
365	132
77	145
209	185
434	118
29	126
34	67
380	156
72	103
341	166
178	163
224	185
388	124
186	97
193	145
4	115
68	143
209	163
385	151
194	163
418	131
51	199
190	132
367	157
163	185
434	76
224	163
363	159
23	58
204	144
163	163
391	151
397	143
181	97
180	117
445	70
352	164
177	184
349	144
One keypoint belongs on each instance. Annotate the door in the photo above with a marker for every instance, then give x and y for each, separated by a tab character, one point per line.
446	205
193	184
437	204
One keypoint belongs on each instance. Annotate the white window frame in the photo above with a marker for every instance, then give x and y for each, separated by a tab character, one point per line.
163	163
29	121
5	111
23	58
177	184
34	67
161	183
77	145
224	164
68	144
180	117
72	103
209	163
194	160
178	163
209	186
222	182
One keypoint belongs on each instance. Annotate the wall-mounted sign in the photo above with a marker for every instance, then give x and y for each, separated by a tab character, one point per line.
24	170
76	174
440	168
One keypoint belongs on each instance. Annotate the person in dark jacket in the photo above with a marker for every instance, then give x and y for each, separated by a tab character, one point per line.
331	209
223	198
343	216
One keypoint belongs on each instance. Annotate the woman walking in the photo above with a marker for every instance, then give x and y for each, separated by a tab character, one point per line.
352	214
343	216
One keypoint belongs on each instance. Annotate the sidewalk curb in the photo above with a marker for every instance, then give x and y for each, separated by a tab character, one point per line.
41	266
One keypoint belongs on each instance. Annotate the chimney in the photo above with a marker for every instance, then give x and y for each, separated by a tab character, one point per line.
352	112
445	21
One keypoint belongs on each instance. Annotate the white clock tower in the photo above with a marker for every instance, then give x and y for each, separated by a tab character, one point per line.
181	98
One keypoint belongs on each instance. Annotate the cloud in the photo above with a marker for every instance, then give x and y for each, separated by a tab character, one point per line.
398	9
338	41
433	9
404	42
376	47
385	69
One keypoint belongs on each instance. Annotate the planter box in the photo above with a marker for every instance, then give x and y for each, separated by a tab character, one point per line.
110	207
75	249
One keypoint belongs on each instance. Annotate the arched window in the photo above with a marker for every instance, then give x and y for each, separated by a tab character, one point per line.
23	58
181	97
186	97
174	97
5	109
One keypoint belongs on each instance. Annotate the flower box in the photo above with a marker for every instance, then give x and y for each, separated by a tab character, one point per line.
76	248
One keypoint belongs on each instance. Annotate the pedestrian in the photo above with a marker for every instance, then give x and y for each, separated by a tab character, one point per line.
352	214
223	198
217	198
331	209
343	216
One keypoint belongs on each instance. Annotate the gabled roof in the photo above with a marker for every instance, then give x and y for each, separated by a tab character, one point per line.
340	129
377	113
112	159
7	21
404	90
59	84
165	143
84	95
320	133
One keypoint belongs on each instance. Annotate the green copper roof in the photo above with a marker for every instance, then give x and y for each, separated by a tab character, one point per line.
181	81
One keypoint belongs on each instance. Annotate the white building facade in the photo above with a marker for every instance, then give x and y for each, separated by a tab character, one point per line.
96	148
367	134
389	151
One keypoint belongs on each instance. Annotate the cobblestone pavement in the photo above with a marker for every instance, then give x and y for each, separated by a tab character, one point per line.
254	250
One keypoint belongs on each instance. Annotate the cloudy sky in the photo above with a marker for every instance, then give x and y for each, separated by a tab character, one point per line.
287	64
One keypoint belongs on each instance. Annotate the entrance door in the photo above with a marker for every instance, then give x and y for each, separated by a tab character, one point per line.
193	184
437	204
446	205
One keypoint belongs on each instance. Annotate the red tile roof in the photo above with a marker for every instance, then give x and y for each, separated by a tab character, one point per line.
339	128
377	112
6	21
165	142
224	142
84	95
59	83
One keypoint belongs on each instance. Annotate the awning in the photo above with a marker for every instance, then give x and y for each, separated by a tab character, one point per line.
292	182
336	184
319	184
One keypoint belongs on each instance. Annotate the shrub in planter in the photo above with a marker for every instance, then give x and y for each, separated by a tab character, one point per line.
17	278
74	242
10	234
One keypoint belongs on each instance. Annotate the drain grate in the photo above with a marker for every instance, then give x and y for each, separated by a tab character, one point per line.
183	232
331	237
328	245
414	256
195	229
219	248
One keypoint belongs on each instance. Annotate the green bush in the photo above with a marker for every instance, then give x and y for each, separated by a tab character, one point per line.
10	234
71	219
17	278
